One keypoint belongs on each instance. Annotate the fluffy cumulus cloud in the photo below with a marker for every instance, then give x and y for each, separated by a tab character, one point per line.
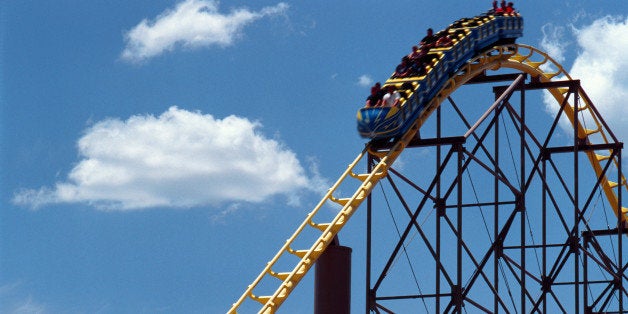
179	159
602	67
191	24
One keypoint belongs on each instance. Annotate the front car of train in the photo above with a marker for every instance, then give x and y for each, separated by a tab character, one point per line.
379	122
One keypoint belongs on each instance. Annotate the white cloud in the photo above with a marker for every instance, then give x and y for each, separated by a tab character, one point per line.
602	67
179	159
192	24
365	81
13	300
553	41
29	307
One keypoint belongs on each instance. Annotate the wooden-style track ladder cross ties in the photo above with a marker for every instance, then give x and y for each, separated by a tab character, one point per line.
598	133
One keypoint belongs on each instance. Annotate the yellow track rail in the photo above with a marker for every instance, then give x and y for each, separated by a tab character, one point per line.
307	257
533	62
540	65
520	57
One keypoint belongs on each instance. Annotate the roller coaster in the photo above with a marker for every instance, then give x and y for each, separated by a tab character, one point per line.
480	44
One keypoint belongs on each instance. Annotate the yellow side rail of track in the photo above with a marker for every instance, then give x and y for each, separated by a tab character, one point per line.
540	65
533	61
307	257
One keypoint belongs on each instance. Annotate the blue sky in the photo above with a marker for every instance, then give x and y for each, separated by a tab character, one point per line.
156	154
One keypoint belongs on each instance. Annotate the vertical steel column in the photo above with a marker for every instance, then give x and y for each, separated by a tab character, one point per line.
457	293
522	201
585	274
497	253
438	209
575	249
544	279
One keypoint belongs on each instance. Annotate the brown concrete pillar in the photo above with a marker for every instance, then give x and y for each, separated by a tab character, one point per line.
332	285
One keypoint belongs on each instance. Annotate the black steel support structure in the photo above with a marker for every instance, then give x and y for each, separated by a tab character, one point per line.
500	224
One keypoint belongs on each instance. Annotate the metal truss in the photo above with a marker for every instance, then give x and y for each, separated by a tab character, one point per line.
509	218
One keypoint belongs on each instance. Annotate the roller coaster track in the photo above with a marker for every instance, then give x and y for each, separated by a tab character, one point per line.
527	59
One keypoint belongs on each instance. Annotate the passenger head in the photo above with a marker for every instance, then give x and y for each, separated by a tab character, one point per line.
415	48
374	90
430	32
